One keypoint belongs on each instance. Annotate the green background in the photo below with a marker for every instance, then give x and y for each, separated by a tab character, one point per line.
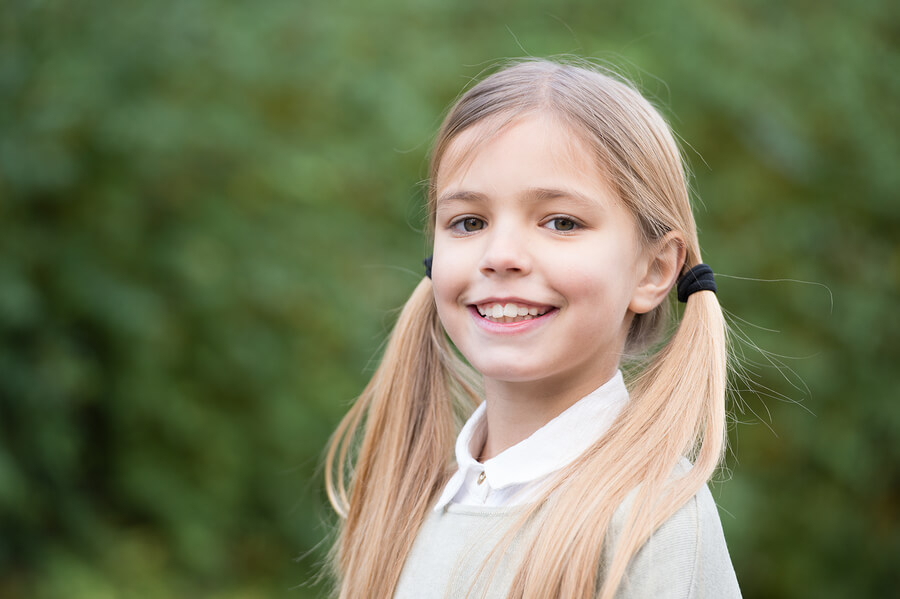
210	210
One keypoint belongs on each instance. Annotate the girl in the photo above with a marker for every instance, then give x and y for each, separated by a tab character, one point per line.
561	220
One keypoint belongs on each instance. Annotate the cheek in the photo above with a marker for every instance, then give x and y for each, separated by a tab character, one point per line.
443	273
602	289
451	269
442	293
607	269
444	306
599	294
447	287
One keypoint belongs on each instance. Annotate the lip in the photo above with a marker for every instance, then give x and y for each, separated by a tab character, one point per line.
509	328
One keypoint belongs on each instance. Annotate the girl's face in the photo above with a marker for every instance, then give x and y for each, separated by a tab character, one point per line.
537	265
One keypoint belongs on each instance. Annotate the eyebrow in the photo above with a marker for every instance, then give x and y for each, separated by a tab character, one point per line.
532	195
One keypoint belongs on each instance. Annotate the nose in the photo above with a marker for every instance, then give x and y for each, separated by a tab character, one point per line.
506	253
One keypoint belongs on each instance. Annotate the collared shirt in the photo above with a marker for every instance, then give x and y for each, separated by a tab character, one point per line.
515	476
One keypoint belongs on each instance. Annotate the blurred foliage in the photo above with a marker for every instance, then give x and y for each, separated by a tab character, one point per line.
209	209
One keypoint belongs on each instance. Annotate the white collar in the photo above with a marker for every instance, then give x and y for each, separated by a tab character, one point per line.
547	450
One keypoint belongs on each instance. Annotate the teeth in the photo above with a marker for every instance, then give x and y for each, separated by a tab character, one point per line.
507	313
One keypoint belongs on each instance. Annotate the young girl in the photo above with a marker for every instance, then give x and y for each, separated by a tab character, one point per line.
561	221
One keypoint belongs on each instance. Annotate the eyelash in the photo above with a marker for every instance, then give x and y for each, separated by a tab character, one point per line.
576	224
457	223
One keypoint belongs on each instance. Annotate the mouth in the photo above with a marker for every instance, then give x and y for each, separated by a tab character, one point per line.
510	312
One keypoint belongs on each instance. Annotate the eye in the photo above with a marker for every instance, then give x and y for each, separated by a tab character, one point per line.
469	224
562	224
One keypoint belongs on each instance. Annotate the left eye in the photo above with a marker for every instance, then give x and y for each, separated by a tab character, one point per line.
561	223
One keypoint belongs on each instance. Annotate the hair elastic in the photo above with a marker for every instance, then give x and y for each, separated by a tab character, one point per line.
699	278
427	263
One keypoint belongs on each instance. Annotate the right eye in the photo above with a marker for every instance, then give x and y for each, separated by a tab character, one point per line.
469	224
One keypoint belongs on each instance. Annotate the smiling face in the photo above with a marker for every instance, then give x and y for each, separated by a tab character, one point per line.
537	266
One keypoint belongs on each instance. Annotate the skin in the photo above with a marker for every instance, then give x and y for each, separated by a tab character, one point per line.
526	216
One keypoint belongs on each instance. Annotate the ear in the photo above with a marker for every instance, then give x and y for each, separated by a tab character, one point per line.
664	261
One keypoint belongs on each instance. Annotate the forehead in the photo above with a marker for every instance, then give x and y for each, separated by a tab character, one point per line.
537	147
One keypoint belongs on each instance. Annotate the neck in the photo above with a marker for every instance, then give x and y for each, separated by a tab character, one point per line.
516	410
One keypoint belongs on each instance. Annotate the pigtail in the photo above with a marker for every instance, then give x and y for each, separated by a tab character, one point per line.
401	430
683	389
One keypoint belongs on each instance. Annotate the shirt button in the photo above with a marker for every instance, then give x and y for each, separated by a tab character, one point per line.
481	478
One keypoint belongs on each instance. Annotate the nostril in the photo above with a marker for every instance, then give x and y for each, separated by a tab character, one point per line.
505	254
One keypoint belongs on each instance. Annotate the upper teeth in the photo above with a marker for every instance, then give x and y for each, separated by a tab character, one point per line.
510	310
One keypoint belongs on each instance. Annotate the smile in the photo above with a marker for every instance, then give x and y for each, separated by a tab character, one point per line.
509	313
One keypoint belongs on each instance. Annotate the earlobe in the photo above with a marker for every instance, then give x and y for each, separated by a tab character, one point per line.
664	263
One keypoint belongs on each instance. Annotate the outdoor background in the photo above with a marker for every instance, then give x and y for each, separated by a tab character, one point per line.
210	210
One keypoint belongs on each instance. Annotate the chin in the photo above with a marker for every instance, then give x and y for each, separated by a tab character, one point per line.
510	373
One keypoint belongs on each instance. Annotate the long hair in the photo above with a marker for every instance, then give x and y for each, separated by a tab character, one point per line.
401	429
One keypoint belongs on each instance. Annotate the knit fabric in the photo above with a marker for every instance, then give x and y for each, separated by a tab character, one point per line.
686	558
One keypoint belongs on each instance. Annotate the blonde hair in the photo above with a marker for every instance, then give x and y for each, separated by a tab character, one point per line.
402	428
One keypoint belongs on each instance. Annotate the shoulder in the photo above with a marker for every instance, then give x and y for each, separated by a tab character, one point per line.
685	558
450	548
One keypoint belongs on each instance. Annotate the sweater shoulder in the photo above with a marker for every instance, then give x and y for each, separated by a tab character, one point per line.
452	546
685	558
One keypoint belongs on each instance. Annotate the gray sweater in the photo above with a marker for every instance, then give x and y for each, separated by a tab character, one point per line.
686	558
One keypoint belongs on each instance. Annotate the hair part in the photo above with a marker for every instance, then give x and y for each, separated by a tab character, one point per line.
677	398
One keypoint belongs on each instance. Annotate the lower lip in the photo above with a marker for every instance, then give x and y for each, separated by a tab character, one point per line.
509	328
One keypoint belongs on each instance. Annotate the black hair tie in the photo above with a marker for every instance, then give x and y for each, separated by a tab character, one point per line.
699	278
427	263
